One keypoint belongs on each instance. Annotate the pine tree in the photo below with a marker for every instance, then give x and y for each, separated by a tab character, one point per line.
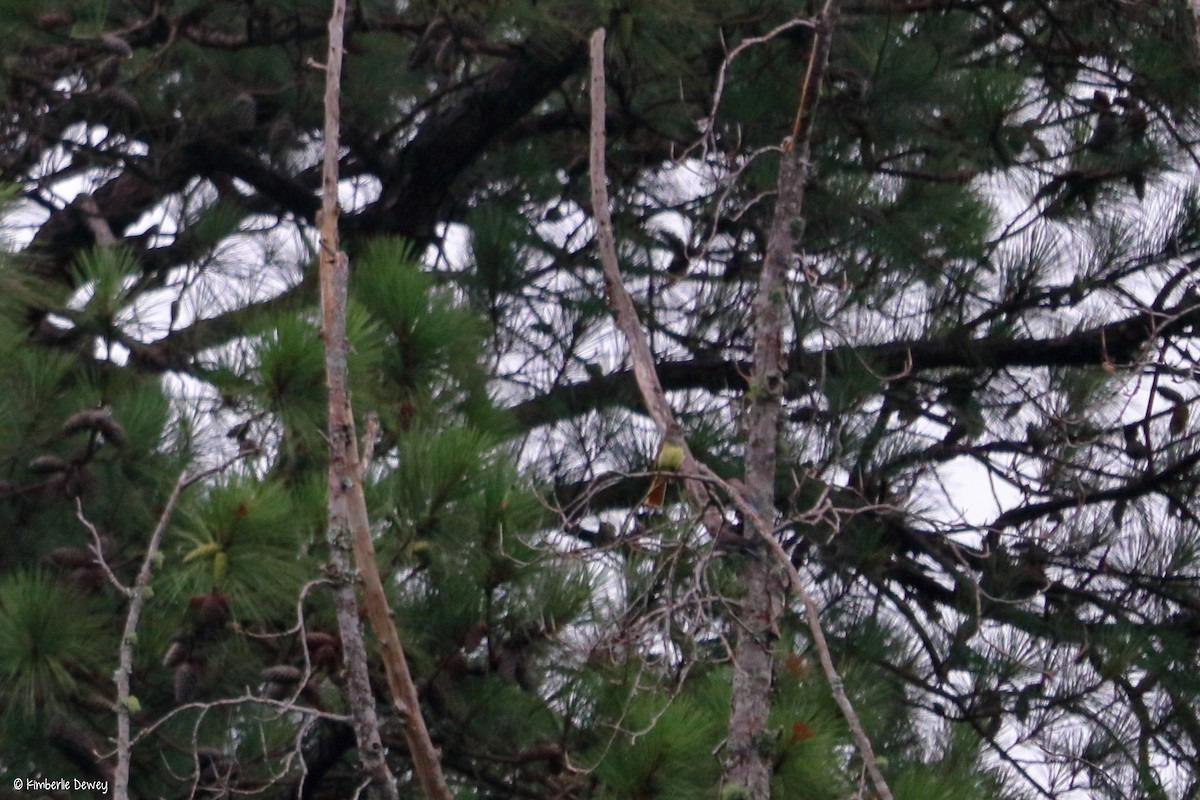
990	292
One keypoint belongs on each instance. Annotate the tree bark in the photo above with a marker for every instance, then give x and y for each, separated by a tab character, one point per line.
748	761
749	753
349	524
127	702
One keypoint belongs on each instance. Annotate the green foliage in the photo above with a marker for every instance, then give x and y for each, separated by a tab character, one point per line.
434	477
428	348
463	515
48	636
143	412
246	538
806	758
661	748
929	226
36	381
926	781
106	278
291	374
498	239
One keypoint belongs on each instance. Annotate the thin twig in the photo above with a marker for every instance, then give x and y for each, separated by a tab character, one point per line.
98	550
126	703
734	53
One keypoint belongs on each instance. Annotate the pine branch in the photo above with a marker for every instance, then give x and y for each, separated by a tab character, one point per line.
420	180
1116	342
649	386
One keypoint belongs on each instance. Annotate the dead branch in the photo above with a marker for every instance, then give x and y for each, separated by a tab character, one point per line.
127	703
349	524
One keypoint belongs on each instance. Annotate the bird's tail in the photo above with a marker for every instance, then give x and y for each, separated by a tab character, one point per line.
657	493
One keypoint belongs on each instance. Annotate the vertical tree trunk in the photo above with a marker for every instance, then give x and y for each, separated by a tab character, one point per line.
349	525
748	762
343	462
748	757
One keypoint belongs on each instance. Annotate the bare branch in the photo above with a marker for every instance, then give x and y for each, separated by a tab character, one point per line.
126	702
348	520
737	50
768	380
98	551
623	308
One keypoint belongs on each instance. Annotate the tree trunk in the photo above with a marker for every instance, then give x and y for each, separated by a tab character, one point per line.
348	519
749	757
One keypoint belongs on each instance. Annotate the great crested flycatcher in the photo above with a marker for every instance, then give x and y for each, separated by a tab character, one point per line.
669	459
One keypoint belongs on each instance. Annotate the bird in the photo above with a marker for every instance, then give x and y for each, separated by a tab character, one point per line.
1108	124
1134	121
1133	124
1082	180
671	453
